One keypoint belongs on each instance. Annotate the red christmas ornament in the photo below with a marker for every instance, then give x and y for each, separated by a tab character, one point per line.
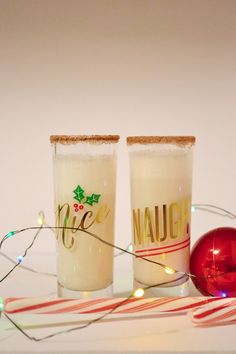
213	263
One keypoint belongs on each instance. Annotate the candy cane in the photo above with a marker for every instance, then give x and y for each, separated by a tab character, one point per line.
216	313
103	305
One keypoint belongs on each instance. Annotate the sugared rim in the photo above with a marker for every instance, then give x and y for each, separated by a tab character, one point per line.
73	139
176	140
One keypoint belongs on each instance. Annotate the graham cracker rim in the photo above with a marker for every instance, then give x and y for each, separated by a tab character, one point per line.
73	139
176	140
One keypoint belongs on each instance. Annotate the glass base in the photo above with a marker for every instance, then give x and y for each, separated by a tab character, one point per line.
76	294
178	290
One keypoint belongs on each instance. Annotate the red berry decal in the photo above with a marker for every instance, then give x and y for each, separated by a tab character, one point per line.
76	206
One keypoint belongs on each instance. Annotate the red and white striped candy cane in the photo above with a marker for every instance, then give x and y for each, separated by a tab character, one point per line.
216	313
103	305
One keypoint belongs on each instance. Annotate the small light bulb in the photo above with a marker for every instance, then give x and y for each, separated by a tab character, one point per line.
10	234
169	270
41	218
216	251
193	209
20	259
1	304
138	292
130	248
223	294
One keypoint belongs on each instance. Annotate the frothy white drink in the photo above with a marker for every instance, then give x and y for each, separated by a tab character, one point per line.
161	183
85	200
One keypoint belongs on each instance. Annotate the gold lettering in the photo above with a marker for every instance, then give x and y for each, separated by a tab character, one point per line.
160	238
102	213
174	221
157	223
74	228
164	219
170	222
185	216
147	229
66	237
64	220
88	214
137	227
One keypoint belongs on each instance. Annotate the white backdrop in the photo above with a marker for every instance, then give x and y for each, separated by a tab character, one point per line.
133	67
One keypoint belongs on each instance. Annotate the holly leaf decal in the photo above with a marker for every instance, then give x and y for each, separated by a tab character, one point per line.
94	198
79	193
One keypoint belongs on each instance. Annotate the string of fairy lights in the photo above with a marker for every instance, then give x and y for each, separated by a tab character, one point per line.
139	292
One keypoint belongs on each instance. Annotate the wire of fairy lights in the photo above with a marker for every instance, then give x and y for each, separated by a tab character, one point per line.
137	293
39	228
18	262
210	208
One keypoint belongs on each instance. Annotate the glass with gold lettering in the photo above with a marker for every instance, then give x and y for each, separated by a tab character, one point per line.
161	189
85	183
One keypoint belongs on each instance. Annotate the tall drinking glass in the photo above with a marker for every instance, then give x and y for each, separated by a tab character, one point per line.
85	183
161	189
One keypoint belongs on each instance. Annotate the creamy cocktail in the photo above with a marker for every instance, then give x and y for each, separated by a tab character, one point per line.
161	185
85	181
